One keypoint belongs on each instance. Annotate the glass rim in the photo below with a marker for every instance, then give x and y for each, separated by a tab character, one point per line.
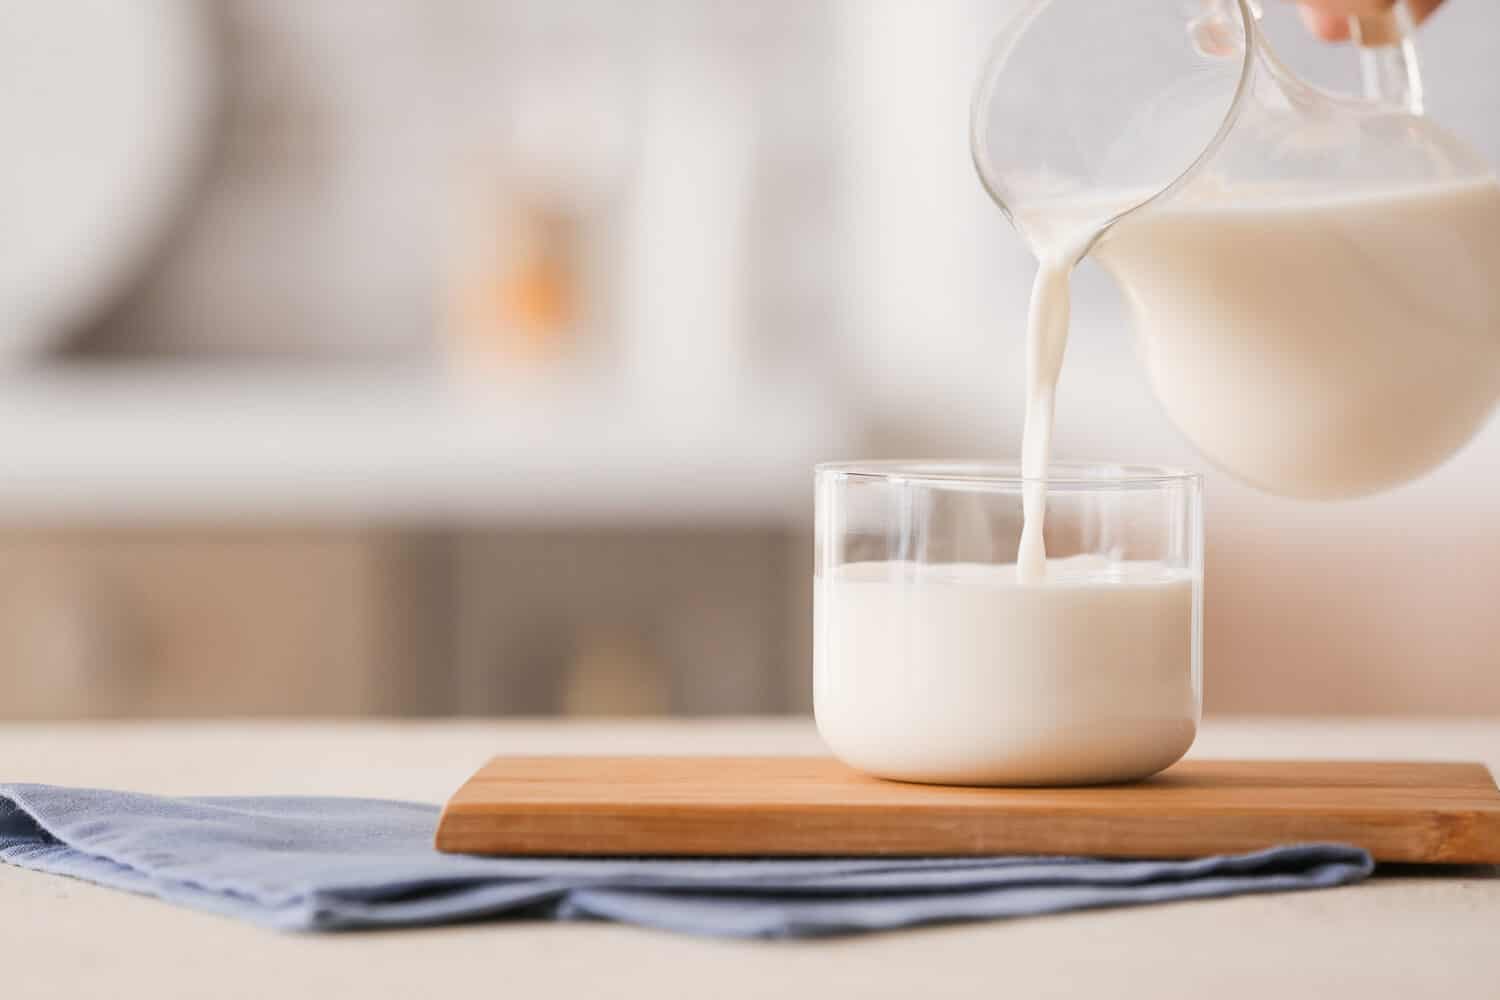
1064	476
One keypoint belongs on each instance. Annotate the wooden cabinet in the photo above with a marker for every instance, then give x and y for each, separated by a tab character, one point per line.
208	622
657	621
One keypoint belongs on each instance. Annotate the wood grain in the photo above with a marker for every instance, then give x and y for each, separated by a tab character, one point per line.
803	806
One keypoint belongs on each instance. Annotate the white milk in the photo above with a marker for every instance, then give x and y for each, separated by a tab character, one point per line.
1320	348
965	674
1046	343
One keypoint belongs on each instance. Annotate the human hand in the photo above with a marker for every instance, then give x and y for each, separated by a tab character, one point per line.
1329	19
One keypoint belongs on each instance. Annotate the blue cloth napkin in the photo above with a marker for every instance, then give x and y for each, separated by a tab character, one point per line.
313	864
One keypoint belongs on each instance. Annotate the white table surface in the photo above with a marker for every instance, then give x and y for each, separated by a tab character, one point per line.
1399	935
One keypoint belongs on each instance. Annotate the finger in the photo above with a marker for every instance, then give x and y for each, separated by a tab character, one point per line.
1421	10
1347	8
1329	19
1329	27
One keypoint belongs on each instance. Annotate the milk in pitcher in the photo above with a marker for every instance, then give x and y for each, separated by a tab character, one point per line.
1319	347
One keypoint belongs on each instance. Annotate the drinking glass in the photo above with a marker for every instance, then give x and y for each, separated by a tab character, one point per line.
934	662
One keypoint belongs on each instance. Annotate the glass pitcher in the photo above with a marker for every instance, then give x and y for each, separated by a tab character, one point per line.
1314	278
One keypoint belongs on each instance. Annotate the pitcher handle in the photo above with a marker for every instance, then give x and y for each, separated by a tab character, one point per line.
1388	57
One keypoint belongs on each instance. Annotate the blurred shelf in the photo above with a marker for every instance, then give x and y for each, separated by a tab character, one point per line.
158	441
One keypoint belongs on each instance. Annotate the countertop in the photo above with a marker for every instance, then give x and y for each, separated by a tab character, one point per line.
82	443
1403	934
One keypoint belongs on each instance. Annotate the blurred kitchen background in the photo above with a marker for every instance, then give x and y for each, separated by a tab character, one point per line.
471	357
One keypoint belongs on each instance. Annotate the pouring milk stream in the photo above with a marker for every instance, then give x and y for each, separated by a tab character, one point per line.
1316	296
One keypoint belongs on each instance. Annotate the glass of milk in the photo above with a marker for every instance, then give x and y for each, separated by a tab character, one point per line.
937	661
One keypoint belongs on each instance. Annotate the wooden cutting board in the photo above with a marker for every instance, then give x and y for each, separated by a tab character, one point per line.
788	806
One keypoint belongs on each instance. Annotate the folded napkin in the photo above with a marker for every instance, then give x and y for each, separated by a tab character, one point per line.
330	863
